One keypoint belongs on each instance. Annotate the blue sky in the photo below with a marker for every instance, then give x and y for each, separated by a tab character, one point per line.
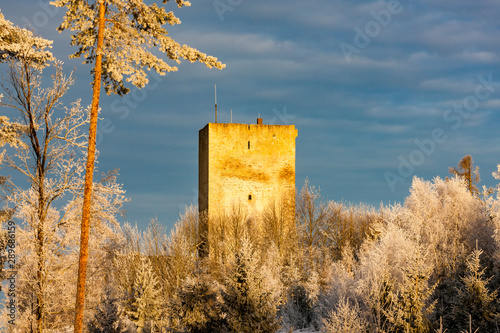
380	91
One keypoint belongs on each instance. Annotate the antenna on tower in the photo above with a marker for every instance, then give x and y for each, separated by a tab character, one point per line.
216	104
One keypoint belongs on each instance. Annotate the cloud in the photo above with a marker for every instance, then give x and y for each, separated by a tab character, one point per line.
354	119
456	86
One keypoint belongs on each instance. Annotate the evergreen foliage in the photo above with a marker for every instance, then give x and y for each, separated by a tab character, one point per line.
298	310
198	306
475	302
145	303
248	307
346	318
107	316
132	30
415	296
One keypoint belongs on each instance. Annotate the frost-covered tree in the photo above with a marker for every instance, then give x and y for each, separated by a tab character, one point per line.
225	234
448	220
15	44
312	213
9	135
197	306
347	318
47	204
415	295
116	36
278	228
21	44
180	251
107	315
49	163
347	226
476	305
495	214
249	307
129	29
313	235
393	282
496	175
298	308
145	302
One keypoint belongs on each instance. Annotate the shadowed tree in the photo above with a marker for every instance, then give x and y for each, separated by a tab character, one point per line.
107	315
116	36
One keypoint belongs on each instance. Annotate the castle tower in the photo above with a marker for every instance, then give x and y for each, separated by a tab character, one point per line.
247	166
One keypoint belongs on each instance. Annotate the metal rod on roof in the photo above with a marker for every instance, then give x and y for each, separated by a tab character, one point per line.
215	103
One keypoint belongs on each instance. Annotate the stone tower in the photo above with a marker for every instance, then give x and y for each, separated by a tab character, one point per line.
248	166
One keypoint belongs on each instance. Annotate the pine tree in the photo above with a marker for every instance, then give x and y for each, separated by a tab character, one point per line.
17	44
146	304
248	306
107	316
116	36
346	318
475	302
415	296
197	306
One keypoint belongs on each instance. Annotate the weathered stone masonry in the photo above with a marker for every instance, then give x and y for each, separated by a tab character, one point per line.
245	166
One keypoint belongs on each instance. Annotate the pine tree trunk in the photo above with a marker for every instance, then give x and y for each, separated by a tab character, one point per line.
89	172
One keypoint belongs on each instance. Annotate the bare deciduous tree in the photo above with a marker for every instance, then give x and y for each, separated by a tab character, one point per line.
47	203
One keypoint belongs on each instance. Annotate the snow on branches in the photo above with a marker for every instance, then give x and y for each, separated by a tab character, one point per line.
132	29
17	43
